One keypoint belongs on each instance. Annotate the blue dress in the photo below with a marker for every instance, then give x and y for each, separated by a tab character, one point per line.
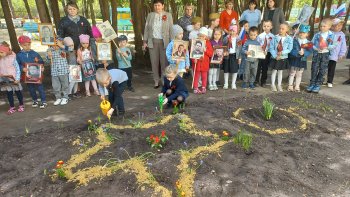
295	59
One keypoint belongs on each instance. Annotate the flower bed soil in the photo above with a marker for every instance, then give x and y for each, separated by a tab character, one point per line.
310	162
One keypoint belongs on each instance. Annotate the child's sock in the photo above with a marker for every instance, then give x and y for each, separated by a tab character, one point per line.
226	75
234	79
214	77
298	78
217	74
280	75
273	77
87	87
210	77
291	77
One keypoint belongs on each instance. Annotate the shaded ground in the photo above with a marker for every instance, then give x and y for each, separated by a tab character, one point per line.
311	162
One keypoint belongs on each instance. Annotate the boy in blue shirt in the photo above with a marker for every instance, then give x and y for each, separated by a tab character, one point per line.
27	55
124	64
250	64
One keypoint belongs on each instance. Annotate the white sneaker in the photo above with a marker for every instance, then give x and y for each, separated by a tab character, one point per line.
225	87
57	102
215	87
64	101
330	85
273	88
211	87
234	86
280	88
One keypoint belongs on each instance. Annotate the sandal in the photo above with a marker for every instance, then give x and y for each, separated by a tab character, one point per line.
97	93
290	88
20	108
11	110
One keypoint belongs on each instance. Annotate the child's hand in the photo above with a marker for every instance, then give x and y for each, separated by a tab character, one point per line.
265	52
278	58
301	52
279	53
110	112
125	54
239	61
25	69
102	97
226	53
165	101
16	82
187	68
119	51
248	53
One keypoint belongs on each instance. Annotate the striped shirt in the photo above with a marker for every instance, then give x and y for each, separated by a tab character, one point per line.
59	65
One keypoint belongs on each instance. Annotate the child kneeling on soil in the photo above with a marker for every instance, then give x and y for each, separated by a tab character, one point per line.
115	81
174	88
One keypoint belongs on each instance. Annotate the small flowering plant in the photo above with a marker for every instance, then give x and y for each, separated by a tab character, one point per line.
92	126
225	136
59	169
157	142
179	191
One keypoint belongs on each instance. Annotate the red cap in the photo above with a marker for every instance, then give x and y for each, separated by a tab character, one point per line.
24	39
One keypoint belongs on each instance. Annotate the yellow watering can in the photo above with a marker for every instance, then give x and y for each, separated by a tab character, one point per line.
105	107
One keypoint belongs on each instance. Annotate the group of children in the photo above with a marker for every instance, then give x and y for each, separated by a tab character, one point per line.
60	56
284	51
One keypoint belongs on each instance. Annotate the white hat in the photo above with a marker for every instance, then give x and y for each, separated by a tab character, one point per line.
336	21
204	31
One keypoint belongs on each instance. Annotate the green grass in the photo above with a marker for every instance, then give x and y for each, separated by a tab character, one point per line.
268	108
243	139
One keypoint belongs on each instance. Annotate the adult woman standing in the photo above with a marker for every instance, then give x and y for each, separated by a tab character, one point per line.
274	14
73	25
227	15
158	31
252	15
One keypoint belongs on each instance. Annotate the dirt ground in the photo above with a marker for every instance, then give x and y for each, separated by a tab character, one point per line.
313	161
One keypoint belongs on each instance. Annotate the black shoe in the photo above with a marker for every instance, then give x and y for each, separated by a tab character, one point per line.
218	84
347	82
131	89
76	95
43	105
35	104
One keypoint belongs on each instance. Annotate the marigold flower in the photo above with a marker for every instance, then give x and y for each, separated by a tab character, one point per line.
163	133
151	137
182	194
225	133
58	166
89	121
60	162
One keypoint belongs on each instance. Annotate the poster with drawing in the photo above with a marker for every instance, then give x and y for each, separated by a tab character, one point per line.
256	52
180	50
218	55
104	51
197	48
47	34
107	31
75	73
33	73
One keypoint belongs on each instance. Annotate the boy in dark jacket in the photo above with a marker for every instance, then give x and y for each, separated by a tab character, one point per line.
174	89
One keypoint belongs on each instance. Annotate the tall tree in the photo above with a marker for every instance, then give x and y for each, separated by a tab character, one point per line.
86	9
63	4
26	5
12	9
346	19
136	6
104	9
92	12
174	10
328	10
199	11
322	7
114	5
55	10
10	27
43	11
340	2
312	18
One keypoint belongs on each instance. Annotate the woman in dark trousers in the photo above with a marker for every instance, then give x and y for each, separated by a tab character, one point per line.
74	25
274	14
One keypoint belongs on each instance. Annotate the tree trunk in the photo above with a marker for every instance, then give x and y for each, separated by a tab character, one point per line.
199	11
328	6
104	9
10	27
205	10
55	12
12	9
114	5
346	20
281	4
63	4
289	9
42	11
323	5
312	18
92	12
174	10
28	9
340	2
86	9
137	18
